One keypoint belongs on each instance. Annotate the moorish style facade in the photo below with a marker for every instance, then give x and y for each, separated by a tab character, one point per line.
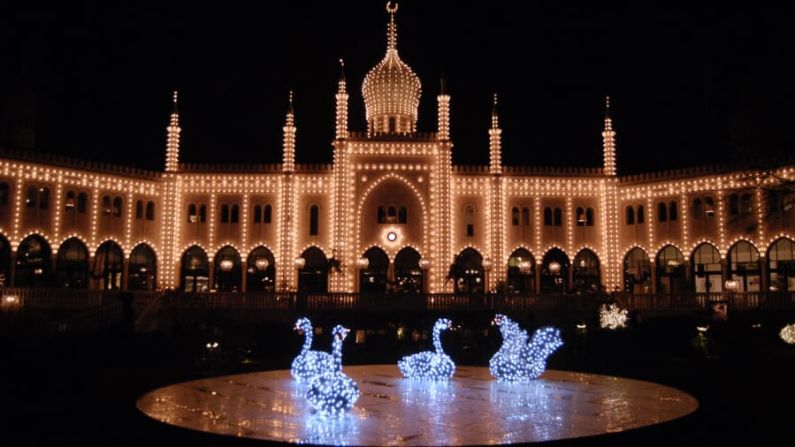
392	213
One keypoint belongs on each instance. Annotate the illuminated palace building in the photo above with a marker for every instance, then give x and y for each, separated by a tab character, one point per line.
393	214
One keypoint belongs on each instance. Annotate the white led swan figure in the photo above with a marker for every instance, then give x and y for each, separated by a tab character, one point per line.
332	393
308	363
517	360
430	365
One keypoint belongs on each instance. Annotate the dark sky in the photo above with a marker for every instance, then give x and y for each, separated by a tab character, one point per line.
690	84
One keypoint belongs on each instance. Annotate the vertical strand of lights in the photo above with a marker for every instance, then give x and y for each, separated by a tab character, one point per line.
609	142
650	216
606	246
684	212
569	228
18	206
443	127
615	208
721	220
244	226
495	141
94	215
495	234
288	163
537	217
342	105
56	227
129	221
288	216
760	210
172	145
212	226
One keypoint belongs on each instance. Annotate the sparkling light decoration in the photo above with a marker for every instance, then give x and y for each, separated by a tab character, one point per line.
332	393
788	334
430	365
517	360
609	142
309	364
612	317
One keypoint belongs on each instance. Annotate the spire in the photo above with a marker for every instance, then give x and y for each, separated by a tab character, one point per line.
342	105
443	126
391	41
495	141
288	163
172	140
609	142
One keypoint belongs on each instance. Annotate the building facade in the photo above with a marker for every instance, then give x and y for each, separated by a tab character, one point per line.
392	213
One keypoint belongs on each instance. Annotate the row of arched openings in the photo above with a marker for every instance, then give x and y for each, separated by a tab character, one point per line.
71	267
743	263
227	270
404	275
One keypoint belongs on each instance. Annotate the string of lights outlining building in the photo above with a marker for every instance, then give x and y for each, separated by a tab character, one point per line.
392	213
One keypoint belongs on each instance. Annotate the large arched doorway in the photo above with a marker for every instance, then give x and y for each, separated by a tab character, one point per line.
586	272
71	264
671	275
781	267
373	279
744	267
5	261
408	274
195	270
467	272
228	273
706	269
313	276
34	263
108	266
261	271
637	271
521	272
142	270
554	271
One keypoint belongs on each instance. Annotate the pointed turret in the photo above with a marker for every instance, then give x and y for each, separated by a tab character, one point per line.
342	105
609	142
495	141
443	127
172	141
288	163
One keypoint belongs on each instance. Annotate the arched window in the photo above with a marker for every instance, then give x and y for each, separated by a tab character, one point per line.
3	193
224	213
525	216
706	267
662	212
515	216
235	216
698	209
44	198
781	266
82	200
671	276
746	208
630	215
314	216
69	203
558	217
139	210
192	213
257	214
391	214
709	207
106	205
117	204
267	214
547	216
673	212
734	204
203	214
30	197
589	217
641	214
402	215
150	210
580	217
744	267
381	215
469	211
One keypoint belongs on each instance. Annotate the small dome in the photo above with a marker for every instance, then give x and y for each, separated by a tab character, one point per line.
391	90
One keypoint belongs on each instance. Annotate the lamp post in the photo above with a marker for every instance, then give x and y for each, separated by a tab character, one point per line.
554	269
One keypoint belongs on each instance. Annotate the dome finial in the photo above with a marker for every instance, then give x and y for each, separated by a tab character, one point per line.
494	106
607	106
342	70
391	43
290	103
174	98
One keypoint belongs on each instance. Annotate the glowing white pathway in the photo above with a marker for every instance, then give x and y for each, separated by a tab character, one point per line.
471	409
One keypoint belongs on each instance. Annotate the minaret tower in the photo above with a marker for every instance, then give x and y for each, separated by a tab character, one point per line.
288	163
286	274
342	105
495	141
609	141
172	143
443	128
496	231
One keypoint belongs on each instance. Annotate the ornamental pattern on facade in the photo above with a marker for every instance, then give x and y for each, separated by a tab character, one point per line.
392	213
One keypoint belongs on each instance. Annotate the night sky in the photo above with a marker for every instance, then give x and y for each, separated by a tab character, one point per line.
689	84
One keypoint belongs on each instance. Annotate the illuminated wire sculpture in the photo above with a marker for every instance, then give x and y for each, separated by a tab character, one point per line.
787	334
430	365
332	393
517	360
612	317
308	363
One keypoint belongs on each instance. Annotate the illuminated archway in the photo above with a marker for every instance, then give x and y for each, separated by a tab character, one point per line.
637	271
467	272
195	270
373	279
554	271
108	265
71	264
313	276
408	274
261	271
228	270
521	272
142	269
34	262
781	265
586	272
671	276
706	268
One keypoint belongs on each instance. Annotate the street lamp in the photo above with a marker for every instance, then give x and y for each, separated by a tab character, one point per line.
299	263
554	269
363	263
261	263
226	265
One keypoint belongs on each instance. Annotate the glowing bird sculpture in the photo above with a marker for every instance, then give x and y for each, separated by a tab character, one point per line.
308	363
430	365
332	393
517	360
